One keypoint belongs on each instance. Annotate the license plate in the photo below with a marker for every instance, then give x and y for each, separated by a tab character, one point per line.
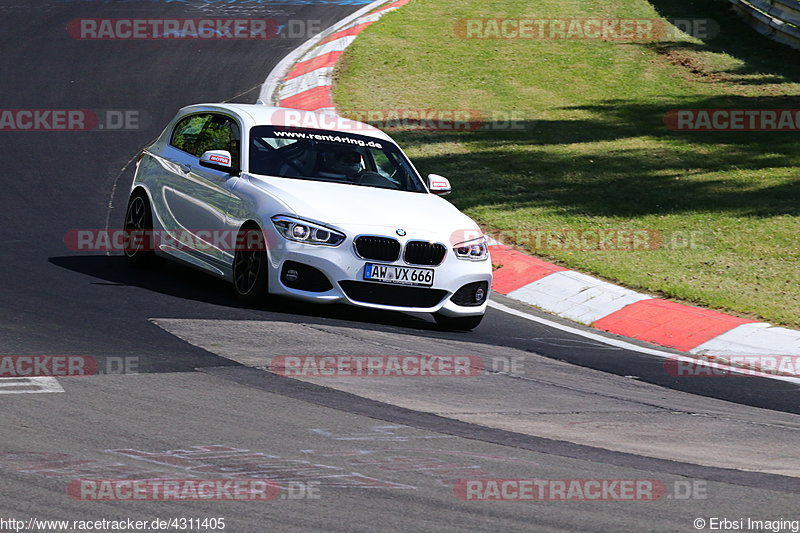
399	274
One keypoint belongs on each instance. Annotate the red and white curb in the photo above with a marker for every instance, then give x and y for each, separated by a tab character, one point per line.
303	81
621	311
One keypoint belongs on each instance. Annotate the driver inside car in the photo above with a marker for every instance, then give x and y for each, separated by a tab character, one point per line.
341	164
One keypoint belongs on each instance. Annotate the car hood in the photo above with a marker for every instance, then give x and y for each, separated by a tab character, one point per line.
353	206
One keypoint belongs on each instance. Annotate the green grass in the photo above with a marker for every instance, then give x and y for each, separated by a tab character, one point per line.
593	151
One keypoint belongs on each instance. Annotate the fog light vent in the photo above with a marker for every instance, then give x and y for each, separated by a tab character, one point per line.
471	294
304	277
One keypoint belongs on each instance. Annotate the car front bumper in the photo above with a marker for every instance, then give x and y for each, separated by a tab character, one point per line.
345	270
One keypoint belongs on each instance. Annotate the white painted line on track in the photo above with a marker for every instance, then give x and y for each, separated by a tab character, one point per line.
33	385
631	347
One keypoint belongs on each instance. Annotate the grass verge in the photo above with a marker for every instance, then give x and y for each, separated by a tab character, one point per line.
593	151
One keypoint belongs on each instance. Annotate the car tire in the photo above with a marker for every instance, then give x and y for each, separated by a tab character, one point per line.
250	266
460	323
138	230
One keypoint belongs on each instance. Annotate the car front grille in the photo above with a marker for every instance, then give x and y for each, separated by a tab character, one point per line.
377	248
424	253
394	295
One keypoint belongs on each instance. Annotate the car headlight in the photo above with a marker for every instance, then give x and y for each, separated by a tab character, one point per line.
307	232
474	250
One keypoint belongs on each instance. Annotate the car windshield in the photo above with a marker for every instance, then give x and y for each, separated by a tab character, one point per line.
320	155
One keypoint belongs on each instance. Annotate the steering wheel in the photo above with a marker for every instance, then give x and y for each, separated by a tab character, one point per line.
364	173
373	178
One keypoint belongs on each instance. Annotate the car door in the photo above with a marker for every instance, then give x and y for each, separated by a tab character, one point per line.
197	197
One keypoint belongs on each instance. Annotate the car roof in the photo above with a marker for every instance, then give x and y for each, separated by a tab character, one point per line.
262	115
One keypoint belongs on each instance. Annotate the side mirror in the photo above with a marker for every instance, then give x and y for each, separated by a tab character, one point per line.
218	160
439	184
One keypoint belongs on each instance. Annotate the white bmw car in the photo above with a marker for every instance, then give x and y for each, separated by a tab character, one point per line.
306	205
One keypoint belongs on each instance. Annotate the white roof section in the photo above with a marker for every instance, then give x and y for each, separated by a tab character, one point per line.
261	115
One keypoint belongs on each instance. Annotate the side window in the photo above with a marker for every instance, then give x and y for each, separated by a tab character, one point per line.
384	167
220	133
187	132
395	169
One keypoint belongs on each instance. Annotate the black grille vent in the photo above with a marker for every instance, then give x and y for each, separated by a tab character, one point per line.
424	253
469	295
378	248
395	295
304	277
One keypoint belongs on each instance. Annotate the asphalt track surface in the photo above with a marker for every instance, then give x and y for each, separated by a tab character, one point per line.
571	413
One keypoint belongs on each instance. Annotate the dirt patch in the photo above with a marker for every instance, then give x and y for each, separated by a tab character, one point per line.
693	67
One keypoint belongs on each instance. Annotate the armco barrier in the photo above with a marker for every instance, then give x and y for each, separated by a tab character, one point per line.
777	19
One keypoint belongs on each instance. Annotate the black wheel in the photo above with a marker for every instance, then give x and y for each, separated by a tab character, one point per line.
460	323
250	266
138	228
